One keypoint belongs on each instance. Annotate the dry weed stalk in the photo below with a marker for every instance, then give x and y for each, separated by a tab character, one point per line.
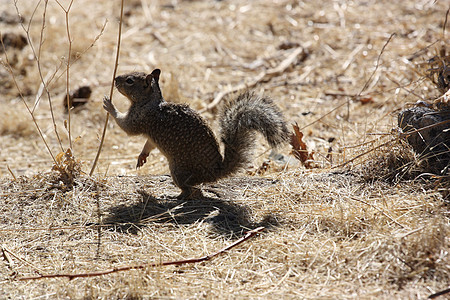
119	35
47	80
408	133
363	154
69	54
37	58
246	237
377	65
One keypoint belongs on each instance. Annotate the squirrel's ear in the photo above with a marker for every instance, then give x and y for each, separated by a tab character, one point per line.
155	74
148	80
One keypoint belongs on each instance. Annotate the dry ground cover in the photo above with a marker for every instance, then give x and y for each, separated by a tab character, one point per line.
369	221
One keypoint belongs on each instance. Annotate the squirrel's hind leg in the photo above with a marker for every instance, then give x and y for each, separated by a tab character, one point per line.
184	179
142	158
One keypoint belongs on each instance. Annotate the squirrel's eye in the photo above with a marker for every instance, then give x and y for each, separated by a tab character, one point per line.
129	81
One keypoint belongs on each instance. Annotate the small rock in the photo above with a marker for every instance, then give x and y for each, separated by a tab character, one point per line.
8	18
433	142
78	97
13	40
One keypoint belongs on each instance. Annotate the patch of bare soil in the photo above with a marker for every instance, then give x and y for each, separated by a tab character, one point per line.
362	216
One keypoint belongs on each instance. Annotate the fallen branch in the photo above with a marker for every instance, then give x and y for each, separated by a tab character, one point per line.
263	76
247	236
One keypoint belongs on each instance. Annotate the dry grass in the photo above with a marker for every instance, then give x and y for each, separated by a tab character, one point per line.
330	235
376	227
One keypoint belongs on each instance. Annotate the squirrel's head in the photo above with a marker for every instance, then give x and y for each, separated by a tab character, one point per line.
138	86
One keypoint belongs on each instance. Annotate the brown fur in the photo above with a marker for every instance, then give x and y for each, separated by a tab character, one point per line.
185	138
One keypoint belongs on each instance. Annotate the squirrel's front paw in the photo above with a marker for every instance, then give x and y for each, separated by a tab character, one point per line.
108	106
142	159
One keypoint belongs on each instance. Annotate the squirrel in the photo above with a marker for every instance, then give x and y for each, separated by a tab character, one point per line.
185	138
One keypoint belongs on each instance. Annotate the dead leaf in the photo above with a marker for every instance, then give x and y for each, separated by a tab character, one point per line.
365	100
299	149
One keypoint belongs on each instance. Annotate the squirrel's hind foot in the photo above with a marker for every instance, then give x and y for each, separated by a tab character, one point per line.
190	193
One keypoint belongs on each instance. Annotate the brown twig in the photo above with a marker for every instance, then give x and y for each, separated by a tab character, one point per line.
111	90
69	54
440	293
445	24
247	236
37	58
11	172
263	76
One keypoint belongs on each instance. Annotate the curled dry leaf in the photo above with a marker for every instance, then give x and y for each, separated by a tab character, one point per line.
299	149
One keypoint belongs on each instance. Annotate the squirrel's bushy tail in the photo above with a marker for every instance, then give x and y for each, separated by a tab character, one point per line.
239	120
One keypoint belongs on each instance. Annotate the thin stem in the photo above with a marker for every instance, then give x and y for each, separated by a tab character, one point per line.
110	92
38	61
68	72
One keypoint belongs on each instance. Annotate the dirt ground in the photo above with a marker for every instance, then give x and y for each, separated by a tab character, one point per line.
367	222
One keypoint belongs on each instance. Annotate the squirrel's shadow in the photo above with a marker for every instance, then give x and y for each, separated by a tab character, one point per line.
225	216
